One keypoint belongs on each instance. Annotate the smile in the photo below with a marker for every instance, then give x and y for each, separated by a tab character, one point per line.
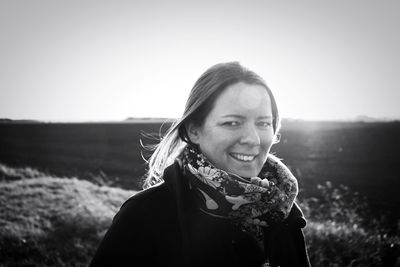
243	157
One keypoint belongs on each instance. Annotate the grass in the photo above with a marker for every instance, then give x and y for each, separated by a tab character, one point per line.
52	221
49	221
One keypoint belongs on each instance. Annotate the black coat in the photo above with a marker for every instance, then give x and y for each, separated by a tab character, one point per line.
161	227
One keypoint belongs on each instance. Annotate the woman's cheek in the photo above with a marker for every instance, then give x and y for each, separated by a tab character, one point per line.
267	138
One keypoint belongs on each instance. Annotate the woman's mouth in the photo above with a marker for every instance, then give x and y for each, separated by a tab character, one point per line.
243	157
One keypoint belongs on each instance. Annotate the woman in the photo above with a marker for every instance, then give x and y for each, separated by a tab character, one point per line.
214	195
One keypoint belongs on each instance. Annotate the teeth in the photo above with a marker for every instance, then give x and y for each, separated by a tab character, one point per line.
243	157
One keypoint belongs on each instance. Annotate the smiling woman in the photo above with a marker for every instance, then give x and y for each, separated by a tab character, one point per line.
214	195
237	137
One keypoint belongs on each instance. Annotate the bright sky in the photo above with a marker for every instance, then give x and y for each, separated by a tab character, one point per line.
109	60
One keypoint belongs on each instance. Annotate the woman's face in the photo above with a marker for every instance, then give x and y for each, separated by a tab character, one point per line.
238	133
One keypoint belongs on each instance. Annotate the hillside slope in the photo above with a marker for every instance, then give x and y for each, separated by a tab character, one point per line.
54	221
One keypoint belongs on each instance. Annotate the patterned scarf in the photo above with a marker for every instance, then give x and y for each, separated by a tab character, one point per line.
250	203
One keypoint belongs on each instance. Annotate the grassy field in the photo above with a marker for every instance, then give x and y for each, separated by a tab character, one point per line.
51	221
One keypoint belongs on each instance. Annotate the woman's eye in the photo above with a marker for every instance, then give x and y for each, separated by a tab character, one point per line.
231	123
265	124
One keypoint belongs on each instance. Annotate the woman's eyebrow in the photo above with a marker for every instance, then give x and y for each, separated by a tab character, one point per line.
234	116
266	117
242	117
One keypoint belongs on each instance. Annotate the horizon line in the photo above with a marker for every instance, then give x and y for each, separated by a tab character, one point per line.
360	118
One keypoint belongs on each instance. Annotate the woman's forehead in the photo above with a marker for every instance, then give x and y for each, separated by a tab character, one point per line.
244	97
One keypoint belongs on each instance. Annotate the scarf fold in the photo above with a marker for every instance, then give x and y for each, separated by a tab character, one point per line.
250	203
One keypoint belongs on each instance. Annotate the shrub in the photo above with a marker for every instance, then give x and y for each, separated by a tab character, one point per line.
340	231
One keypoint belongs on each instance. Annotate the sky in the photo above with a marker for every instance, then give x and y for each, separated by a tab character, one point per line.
69	60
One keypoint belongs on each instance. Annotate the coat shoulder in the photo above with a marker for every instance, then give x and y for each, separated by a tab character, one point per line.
146	202
141	220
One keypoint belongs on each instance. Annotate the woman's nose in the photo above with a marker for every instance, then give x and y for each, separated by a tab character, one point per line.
250	136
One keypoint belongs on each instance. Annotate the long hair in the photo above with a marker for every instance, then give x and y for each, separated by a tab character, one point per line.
200	102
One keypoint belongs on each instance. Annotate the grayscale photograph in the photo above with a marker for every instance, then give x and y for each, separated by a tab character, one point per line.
199	133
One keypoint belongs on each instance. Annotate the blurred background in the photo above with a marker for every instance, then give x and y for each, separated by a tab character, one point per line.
84	84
